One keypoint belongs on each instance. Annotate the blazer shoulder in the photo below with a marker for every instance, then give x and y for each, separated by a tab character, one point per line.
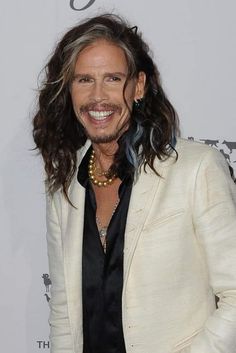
195	152
194	156
58	199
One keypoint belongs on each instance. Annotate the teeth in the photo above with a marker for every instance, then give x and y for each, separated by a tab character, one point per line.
99	115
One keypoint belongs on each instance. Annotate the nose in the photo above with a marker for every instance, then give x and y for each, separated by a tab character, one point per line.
99	92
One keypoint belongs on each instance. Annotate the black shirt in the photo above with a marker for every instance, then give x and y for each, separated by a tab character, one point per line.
102	274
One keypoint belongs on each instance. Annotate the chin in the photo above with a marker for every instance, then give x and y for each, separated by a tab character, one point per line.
104	138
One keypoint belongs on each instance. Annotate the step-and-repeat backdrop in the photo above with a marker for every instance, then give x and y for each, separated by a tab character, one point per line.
193	43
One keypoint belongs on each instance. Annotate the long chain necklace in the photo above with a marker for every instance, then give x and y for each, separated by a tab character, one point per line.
102	230
91	172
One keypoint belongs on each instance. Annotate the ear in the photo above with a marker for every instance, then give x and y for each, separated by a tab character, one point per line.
140	86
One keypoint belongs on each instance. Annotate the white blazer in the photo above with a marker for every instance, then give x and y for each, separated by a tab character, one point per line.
179	252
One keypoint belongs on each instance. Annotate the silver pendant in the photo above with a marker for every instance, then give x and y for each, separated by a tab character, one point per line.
103	232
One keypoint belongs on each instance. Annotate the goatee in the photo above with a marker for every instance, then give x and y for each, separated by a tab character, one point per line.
103	139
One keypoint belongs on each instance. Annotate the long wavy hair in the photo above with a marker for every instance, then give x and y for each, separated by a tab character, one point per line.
57	132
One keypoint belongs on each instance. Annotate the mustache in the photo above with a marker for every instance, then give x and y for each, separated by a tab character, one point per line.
102	106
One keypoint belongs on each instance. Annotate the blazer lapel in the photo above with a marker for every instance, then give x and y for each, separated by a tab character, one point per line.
143	193
73	240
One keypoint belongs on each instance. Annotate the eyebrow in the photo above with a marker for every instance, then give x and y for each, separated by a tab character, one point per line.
116	73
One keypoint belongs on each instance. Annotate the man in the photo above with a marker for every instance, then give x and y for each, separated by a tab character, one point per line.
141	224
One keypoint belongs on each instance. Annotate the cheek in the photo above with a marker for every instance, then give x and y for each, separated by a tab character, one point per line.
73	97
129	100
77	95
76	100
76	106
130	94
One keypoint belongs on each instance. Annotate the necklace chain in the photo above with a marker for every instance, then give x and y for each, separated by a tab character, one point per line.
101	172
102	230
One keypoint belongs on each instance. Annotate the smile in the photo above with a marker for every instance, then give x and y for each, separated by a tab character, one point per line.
100	115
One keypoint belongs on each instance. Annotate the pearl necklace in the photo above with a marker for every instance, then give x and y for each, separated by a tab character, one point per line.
91	173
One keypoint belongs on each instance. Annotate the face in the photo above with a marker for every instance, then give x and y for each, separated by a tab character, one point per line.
97	91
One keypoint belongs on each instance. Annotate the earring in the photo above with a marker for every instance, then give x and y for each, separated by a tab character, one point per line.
138	103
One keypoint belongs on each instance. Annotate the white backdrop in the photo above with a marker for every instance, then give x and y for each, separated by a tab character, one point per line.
194	45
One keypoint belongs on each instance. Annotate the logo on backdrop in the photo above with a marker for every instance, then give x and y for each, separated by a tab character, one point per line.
76	6
227	148
47	282
45	344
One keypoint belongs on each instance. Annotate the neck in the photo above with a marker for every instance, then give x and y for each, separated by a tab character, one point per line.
104	154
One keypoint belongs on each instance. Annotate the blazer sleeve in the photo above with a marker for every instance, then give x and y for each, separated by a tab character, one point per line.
214	215
60	333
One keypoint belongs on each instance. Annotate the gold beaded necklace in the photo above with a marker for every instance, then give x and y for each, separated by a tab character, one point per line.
91	172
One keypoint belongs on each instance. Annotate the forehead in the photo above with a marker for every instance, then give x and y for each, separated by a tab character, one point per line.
102	54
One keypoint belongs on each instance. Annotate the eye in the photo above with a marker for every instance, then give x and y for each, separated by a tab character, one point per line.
115	78
84	79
